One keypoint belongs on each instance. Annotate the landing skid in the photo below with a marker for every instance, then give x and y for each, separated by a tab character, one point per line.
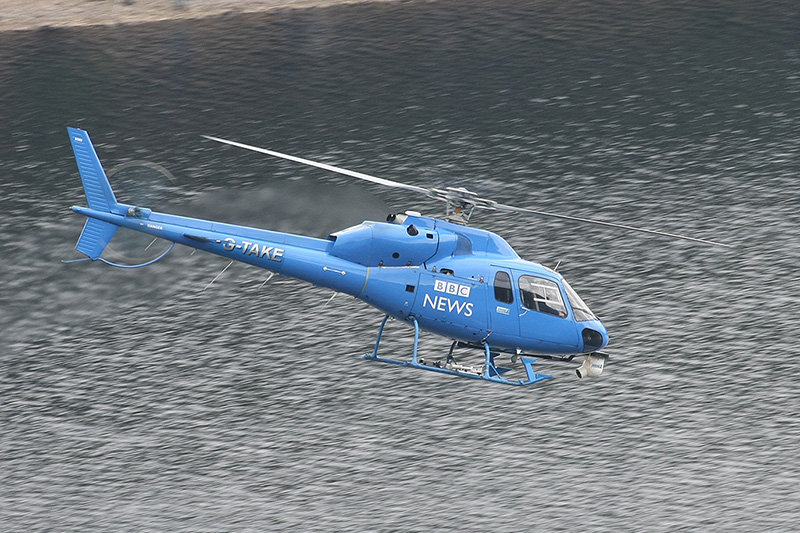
488	371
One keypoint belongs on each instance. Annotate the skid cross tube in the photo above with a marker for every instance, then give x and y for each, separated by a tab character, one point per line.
488	372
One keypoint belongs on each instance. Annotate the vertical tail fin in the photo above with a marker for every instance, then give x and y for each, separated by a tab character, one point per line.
95	237
95	183
96	234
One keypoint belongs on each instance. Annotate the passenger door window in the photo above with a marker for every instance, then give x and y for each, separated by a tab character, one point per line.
503	291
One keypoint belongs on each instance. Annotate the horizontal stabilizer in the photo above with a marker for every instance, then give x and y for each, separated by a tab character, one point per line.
95	237
95	183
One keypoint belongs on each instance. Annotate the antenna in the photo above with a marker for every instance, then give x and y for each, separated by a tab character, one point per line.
218	275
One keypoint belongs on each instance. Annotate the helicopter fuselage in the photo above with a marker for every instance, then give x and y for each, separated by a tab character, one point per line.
460	282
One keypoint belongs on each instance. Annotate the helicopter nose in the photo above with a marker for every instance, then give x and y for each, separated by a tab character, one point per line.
594	336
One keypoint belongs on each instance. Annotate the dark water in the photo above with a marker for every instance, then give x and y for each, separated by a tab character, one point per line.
136	400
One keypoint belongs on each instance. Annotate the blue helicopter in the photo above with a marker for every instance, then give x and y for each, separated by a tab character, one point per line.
436	275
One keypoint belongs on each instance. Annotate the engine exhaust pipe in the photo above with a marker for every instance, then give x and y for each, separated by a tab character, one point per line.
592	366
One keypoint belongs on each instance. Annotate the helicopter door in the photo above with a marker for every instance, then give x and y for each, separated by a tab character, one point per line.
543	315
503	308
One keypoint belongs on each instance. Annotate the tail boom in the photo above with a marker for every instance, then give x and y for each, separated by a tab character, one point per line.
297	256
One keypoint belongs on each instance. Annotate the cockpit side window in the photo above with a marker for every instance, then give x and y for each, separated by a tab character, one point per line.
503	291
539	294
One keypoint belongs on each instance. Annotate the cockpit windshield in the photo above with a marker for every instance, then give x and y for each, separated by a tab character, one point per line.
579	308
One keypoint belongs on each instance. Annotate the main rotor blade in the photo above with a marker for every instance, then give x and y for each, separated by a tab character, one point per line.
324	166
457	197
601	223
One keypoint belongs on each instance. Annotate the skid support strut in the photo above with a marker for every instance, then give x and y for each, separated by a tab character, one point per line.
487	371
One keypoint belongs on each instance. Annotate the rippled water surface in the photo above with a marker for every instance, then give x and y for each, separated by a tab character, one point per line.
137	400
